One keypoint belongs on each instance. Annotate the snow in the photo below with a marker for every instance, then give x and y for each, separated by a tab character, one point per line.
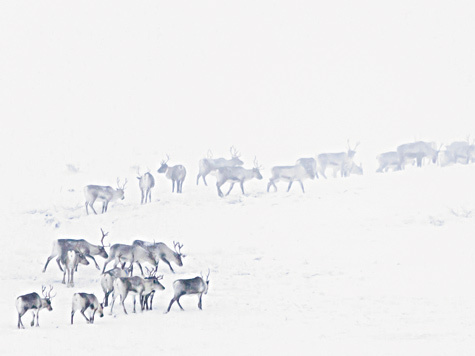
379	264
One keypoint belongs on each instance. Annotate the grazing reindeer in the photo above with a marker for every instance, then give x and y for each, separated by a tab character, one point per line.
310	165
32	301
236	175
341	161
107	282
160	251
417	150
146	183
152	284
61	246
83	302
125	285
121	254
208	165
197	285
102	193
176	173
289	174
70	261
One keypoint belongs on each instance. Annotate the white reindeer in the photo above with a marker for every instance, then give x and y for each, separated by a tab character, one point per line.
176	173
236	175
106	194
83	302
208	165
146	183
341	161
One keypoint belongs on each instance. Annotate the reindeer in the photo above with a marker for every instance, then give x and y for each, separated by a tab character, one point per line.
152	284
208	165
176	174
107	282
32	301
460	151
160	251
70	260
125	285
289	174
352	168
417	150
83	302
388	160
197	285
310	165
121	254
105	194
341	161
146	183
236	175
61	246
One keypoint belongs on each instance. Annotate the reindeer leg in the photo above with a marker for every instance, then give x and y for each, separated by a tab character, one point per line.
47	261
230	188
178	301
151	299
168	263
92	317
92	258
87	212
141	270
58	261
91	204
122	300
204	180
242	188
173	186
84	315
170	305
301	184
198	178
20	324
290	184
64	277
72	316
199	302
106	299
220	193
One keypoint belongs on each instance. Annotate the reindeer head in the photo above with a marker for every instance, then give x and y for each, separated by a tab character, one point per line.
151	275
351	152
163	165
235	156
102	248
47	297
177	246
206	281
257	169
120	189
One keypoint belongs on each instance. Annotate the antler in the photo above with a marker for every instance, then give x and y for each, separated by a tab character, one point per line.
150	272
138	172
206	275
48	293
104	234
177	244
118	183
210	153
234	152
165	161
256	164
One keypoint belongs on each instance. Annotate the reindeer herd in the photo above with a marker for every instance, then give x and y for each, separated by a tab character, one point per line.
117	281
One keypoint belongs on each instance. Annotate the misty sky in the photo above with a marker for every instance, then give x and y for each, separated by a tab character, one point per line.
91	80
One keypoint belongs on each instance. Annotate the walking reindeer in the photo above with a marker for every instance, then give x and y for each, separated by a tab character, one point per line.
162	252
176	173
33	302
146	183
197	285
236	175
106	194
208	165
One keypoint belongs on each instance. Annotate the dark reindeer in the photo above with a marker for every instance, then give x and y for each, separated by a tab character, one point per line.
33	302
197	285
83	302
